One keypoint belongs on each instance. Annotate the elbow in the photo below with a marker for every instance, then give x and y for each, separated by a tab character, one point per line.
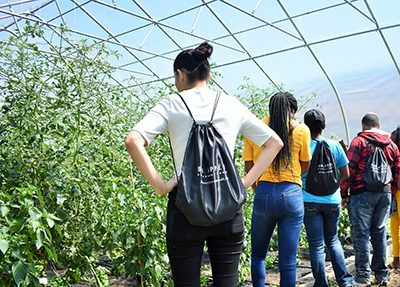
129	141
277	142
134	139
274	143
344	177
280	145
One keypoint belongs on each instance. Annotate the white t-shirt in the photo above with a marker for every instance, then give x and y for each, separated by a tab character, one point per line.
171	116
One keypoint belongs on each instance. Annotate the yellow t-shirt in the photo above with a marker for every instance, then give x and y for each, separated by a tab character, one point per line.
301	151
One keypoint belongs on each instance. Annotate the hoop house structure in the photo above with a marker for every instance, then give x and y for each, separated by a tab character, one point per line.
345	51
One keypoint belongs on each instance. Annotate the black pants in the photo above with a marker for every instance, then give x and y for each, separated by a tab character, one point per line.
185	244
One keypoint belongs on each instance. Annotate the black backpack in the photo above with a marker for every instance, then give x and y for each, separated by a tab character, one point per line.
377	173
210	190
323	177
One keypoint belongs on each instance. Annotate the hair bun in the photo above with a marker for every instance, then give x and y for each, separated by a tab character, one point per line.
203	51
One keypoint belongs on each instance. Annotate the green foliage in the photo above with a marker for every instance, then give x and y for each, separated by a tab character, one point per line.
58	281
67	191
26	237
344	232
101	275
245	258
204	277
255	98
270	262
303	238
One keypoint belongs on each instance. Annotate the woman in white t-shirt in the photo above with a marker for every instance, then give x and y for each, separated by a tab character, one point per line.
185	242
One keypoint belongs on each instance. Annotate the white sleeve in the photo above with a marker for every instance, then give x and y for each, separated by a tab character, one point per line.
255	129
155	122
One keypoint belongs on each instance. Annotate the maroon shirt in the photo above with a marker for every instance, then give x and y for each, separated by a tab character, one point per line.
361	147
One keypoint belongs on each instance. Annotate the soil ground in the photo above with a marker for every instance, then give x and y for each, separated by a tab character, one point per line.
304	275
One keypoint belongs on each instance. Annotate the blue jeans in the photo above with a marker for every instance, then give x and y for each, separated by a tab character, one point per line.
321	222
369	213
281	204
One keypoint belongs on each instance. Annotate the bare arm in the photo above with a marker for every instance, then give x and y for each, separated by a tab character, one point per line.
247	166
304	166
135	144
341	141
344	172
270	150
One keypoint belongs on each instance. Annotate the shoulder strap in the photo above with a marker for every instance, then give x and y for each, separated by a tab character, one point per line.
318	145
186	107
212	117
292	129
374	147
213	112
215	105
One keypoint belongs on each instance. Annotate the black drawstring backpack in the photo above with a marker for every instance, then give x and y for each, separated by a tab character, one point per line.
377	173
323	177
210	190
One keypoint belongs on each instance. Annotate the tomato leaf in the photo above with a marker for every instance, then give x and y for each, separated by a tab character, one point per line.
19	271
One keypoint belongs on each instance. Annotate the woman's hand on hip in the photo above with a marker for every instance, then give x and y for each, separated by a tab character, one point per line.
169	186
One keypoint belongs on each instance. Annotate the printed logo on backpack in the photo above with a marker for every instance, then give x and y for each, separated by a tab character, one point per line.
323	177
210	190
377	173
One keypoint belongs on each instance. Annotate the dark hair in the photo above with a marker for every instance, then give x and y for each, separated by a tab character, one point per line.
279	114
292	101
370	120
315	120
194	62
316	130
395	136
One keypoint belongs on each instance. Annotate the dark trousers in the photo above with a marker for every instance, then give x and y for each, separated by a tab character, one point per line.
185	244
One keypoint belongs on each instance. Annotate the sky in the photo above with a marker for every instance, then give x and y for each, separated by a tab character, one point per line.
329	47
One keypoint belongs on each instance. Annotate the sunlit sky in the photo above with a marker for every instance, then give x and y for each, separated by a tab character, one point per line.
309	46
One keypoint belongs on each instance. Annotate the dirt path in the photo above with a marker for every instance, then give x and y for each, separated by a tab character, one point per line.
304	274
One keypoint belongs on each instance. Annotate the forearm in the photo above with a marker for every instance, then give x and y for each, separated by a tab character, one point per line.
343	177
135	145
305	165
247	166
344	173
268	154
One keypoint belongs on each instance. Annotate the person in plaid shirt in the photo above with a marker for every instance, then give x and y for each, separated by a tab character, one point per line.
369	211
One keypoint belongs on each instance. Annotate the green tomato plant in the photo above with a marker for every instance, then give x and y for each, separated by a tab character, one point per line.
66	188
69	192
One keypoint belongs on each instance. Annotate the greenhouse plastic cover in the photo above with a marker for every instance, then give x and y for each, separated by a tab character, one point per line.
347	52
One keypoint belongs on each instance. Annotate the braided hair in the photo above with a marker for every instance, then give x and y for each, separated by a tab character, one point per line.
194	62
279	111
